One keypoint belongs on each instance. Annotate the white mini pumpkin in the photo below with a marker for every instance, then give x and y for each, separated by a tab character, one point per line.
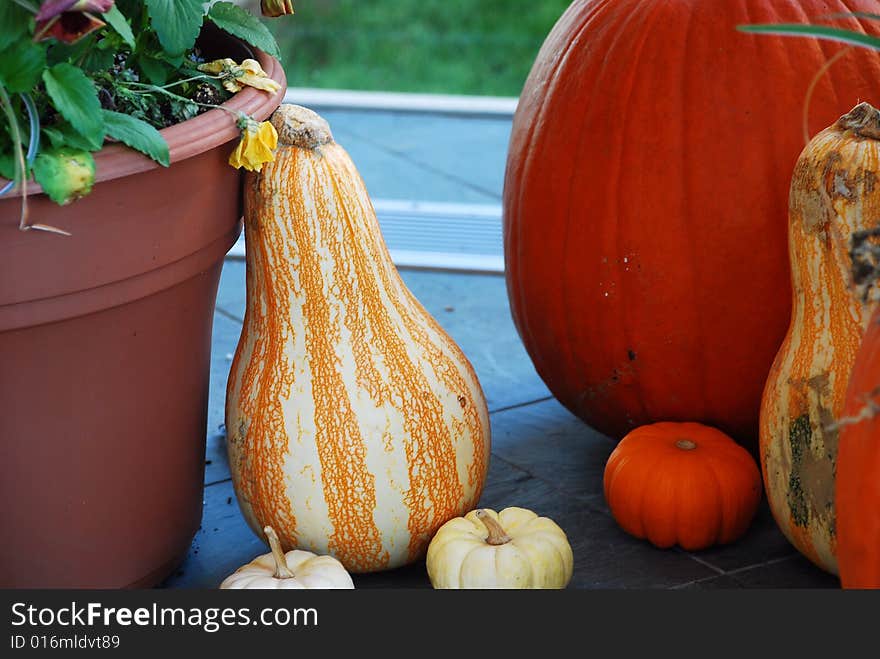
296	569
512	549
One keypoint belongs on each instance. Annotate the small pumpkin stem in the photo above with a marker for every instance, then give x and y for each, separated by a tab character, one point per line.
281	569
300	127
863	120
496	536
685	445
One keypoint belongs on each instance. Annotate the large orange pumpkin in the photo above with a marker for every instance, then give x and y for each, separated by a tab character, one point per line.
857	487
645	201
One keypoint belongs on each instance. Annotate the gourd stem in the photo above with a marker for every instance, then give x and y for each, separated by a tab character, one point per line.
685	445
300	127
496	536
281	569
863	120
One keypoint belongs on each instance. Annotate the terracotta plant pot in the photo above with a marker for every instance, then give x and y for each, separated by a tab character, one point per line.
105	341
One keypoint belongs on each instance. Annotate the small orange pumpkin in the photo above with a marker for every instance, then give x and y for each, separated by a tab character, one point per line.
682	483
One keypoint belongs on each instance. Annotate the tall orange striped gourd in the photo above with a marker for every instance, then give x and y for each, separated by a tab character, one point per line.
835	191
356	426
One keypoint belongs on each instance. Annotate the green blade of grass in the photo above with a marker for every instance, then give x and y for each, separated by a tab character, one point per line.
817	31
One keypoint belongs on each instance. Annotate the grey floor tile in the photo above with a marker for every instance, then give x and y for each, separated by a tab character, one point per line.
232	292
720	582
410	576
604	556
223	543
548	442
216	460
471	152
761	543
792	572
224	340
390	174
474	310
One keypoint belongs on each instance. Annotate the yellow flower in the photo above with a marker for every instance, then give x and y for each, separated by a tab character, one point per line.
237	76
275	8
257	145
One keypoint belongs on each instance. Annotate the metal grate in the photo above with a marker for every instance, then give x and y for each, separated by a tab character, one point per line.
437	236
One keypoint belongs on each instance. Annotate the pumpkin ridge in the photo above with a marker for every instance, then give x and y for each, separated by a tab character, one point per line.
616	161
857	495
695	318
716	476
623	309
536	112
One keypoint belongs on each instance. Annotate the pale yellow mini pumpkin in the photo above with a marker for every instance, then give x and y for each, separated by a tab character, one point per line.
512	549
296	569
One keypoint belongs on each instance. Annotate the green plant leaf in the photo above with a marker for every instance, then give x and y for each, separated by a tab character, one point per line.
176	22
62	134
241	24
817	31
856	14
55	136
22	72
14	23
7	166
155	69
65	174
70	52
76	99
138	135
97	60
119	23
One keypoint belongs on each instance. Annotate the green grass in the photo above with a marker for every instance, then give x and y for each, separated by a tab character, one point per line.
444	46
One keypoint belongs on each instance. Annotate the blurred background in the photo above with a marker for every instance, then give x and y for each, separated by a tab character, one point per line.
482	47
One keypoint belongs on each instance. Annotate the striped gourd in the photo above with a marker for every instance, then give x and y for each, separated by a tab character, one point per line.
356	426
834	192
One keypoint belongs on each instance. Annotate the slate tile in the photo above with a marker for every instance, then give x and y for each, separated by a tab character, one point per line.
550	443
793	572
232	292
761	543
502	474
216	459
393	166
410	576
223	543
224	340
467	149
474	310
720	582
604	556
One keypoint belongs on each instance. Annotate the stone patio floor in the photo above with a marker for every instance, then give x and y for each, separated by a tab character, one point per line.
543	458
